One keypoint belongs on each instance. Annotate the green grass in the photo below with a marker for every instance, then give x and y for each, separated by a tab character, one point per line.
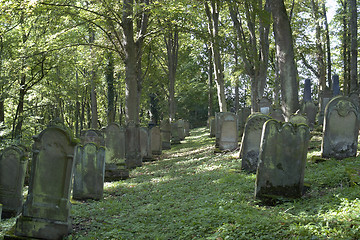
192	193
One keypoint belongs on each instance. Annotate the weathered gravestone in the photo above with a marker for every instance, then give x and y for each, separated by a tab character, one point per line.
212	126
264	105
89	172
145	144
175	139
13	163
242	114
297	118
46	212
250	144
277	114
115	166
309	110
228	139
92	136
307	91
181	129
336	85
132	145
341	129
155	136
282	160
324	98
165	129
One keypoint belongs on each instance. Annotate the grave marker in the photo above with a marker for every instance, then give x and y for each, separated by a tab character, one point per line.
228	139
155	136
46	212
132	145
145	144
250	144
13	164
282	161
165	129
341	129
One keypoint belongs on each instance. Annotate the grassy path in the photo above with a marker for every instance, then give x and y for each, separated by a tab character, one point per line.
191	193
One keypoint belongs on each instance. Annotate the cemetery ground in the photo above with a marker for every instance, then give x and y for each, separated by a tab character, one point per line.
192	193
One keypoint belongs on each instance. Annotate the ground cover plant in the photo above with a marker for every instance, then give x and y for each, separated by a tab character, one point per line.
192	193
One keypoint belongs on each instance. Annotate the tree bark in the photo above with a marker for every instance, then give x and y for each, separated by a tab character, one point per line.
353	47
345	48
328	48
172	47
285	54
110	89
210	84
213	29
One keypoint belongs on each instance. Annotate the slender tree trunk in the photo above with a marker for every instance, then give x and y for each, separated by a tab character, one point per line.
110	88
19	118
319	49
353	47
345	44
285	53
93	98
328	48
172	47
213	28
2	111
210	85
77	107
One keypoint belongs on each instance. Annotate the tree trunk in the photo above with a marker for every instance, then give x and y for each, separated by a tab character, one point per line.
19	118
353	47
2	111
110	89
210	85
213	29
172	47
285	54
93	99
328	48
345	44
319	49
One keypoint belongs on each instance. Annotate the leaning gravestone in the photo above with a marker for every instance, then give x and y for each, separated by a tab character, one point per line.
132	145
115	167
282	160
165	129
145	144
46	212
155	141
228	139
250	144
13	163
341	129
89	172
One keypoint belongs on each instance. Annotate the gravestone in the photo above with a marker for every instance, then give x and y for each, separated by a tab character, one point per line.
264	105
212	126
13	164
89	172
250	144
277	114
132	146
309	110
336	85
92	135
115	164
307	91
175	139
165	129
282	160
155	136
324	98
145	144
297	118
181	129
187	128
341	129
242	114
228	139
46	212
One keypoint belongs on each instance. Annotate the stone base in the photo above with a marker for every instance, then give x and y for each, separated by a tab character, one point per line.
116	174
157	153
147	159
166	145
28	227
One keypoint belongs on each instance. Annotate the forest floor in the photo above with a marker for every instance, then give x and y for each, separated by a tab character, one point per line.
192	193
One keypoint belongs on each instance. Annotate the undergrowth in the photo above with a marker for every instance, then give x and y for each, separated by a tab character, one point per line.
192	193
